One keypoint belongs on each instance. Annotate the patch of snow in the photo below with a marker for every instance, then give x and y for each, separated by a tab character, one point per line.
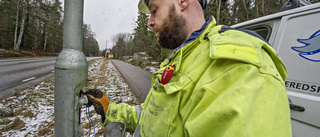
35	105
151	69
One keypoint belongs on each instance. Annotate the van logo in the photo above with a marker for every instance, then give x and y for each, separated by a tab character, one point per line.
311	49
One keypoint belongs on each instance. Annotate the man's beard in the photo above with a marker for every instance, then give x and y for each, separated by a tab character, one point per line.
173	32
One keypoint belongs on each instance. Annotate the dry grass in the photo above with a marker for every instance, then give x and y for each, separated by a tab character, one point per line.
35	106
5	121
86	125
28	113
6	113
30	100
96	121
18	111
44	131
99	133
46	128
16	124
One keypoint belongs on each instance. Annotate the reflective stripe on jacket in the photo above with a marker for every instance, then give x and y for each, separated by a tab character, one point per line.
225	83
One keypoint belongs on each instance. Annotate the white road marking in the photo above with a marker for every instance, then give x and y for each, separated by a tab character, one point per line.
28	79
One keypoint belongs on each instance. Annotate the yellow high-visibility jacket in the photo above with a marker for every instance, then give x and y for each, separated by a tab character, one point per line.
226	82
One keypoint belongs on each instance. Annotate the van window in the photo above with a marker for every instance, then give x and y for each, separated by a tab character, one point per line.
263	31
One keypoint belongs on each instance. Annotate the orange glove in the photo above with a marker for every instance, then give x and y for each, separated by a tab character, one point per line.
99	100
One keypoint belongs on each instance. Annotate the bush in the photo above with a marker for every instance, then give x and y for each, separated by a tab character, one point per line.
139	63
142	64
27	53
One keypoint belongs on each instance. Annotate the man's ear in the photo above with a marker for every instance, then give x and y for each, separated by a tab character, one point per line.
183	4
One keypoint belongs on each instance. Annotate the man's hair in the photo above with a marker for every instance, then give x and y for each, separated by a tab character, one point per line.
203	3
146	2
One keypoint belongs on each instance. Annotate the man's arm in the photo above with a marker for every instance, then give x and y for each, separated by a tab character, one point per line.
123	113
239	102
112	112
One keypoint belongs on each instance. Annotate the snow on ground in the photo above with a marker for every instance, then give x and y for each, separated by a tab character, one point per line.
151	69
30	112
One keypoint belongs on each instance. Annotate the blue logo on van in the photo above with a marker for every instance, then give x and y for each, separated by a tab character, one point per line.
311	49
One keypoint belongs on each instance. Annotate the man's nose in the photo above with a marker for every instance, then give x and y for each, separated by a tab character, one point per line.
151	22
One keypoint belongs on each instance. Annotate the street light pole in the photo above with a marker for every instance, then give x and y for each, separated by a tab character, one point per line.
70	72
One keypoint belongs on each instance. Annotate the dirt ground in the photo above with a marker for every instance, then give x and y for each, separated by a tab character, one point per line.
5	53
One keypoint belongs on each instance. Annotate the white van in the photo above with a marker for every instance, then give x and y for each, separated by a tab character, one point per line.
295	35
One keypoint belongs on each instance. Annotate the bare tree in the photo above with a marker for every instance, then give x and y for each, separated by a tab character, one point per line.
24	16
245	9
16	28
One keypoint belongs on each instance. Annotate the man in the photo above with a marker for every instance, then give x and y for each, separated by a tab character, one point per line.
219	81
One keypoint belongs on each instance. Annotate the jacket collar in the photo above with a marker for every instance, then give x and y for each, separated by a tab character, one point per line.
194	35
197	36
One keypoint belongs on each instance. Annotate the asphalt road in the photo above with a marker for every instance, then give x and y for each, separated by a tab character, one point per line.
21	72
138	79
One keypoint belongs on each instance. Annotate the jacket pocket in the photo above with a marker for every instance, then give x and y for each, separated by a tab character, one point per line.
161	107
173	87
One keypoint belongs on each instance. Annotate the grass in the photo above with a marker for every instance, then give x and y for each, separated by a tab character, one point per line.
5	113
16	124
18	111
28	113
46	128
96	121
5	121
139	63
27	53
36	95
29	100
35	106
44	131
99	133
52	88
87	125
9	53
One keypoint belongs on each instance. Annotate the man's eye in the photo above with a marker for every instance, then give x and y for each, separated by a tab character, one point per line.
154	12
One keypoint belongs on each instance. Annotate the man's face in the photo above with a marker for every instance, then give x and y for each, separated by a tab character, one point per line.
166	24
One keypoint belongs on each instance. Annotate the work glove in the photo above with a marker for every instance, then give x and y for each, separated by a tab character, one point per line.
99	100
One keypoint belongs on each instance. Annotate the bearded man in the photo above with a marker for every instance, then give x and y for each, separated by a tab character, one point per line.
219	81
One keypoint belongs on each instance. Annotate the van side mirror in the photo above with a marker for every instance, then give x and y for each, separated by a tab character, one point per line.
290	4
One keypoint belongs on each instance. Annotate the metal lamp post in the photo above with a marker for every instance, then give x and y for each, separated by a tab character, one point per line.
71	72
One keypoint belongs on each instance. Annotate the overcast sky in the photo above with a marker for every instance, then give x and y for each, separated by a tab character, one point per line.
109	17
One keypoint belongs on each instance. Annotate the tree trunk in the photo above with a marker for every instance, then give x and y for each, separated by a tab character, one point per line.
37	41
218	11
256	5
45	41
52	45
35	46
245	9
24	15
16	28
26	28
234	12
262	8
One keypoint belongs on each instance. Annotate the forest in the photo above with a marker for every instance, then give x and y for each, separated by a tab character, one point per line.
38	24
226	12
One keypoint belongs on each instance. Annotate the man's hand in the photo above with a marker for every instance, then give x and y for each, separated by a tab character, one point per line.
99	100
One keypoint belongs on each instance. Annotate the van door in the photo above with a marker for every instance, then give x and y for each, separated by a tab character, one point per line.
298	45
